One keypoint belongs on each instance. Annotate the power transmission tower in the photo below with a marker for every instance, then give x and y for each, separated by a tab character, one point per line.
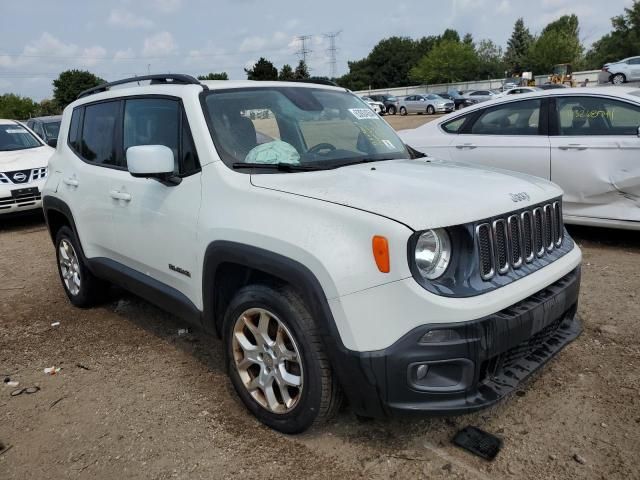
304	50
332	50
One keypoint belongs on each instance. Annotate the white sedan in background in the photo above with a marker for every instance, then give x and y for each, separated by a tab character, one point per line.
586	140
23	168
517	91
377	107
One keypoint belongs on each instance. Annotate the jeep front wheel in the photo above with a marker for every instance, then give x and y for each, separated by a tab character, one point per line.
276	361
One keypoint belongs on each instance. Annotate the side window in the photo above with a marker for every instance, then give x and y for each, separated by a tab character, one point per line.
74	130
98	133
634	61
597	116
454	126
160	121
37	127
515	118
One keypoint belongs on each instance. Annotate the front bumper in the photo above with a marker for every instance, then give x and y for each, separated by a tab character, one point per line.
20	198
491	357
444	108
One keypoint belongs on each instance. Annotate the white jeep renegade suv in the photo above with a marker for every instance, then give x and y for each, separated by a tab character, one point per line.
333	262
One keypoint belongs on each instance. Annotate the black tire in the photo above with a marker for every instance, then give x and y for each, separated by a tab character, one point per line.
320	396
618	79
91	290
430	110
391	110
403	111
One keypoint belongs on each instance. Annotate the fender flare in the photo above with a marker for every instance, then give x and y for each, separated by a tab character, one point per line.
50	203
284	268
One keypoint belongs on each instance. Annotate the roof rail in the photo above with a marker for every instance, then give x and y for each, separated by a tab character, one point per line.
316	80
166	78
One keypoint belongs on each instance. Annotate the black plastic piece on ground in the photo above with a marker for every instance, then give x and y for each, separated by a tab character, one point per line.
478	442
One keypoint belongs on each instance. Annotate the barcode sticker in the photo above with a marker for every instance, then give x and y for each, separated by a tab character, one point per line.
363	113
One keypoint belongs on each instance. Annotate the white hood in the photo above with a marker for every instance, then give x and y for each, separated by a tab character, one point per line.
421	193
25	159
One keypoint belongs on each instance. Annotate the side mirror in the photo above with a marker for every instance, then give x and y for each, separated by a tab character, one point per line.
52	142
422	99
152	161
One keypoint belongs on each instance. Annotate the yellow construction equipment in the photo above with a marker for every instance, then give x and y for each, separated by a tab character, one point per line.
562	75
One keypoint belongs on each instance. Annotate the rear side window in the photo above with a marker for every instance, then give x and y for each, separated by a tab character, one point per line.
597	116
74	130
160	121
515	118
98	134
454	126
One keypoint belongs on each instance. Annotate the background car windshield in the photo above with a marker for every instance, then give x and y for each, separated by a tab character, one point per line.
298	125
52	129
16	137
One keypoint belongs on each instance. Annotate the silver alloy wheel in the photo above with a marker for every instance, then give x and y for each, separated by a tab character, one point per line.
69	266
618	79
268	361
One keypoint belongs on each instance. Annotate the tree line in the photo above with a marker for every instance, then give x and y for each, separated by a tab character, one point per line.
403	61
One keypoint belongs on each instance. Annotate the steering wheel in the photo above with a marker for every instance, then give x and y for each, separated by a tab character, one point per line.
321	147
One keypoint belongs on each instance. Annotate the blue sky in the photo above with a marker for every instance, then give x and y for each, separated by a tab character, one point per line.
120	38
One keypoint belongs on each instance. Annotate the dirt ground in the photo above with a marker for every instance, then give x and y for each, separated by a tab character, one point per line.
135	399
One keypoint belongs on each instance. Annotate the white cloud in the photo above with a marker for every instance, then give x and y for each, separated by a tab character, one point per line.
123	54
257	44
504	6
166	6
126	19
159	45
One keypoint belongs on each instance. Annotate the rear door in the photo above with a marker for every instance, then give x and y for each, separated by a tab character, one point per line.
595	156
512	136
634	69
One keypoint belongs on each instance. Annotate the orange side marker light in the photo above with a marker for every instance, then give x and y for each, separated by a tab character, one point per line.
381	253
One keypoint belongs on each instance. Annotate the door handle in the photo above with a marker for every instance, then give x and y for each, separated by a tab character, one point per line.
72	182
573	146
118	195
470	146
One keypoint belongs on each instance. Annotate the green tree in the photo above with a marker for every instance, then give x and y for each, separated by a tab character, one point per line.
262	70
388	64
286	73
559	42
516	56
468	39
70	83
622	42
214	76
449	61
49	107
301	72
16	107
450	35
491	63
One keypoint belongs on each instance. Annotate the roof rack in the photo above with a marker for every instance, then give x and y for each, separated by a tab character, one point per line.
166	78
316	80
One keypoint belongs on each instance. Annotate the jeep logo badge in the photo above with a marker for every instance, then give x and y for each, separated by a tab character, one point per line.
519	197
19	177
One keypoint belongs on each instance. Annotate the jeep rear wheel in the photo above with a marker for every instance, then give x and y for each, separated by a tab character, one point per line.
80	285
276	360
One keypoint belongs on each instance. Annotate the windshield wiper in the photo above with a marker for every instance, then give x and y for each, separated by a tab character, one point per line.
282	167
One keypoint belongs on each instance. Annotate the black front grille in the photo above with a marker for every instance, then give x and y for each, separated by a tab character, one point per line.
518	238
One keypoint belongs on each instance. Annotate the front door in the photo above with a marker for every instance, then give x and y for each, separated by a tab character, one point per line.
156	223
595	157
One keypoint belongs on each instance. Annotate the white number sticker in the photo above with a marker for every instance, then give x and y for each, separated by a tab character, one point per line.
363	113
15	130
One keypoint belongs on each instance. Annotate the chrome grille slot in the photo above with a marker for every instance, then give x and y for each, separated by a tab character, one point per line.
557	208
527	236
485	247
519	238
538	232
515	240
501	246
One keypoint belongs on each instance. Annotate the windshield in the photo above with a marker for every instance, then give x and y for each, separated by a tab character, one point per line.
392	99
16	137
299	126
52	129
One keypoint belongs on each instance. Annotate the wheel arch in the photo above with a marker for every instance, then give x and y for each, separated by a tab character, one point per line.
228	266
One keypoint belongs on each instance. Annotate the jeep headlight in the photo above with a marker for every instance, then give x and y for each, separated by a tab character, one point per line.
433	253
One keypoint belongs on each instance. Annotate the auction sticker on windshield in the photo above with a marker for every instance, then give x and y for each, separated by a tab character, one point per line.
363	113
